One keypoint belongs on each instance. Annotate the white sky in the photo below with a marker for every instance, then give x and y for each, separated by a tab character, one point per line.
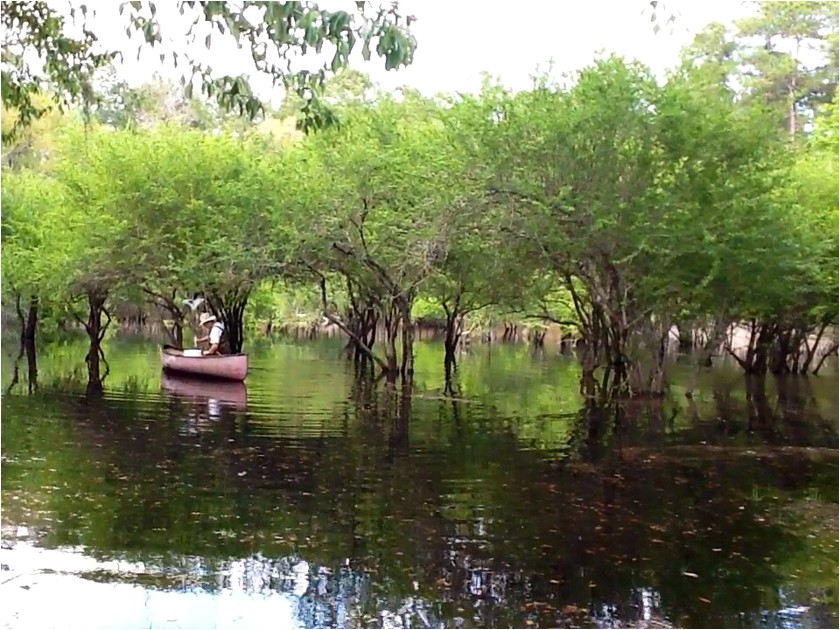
460	39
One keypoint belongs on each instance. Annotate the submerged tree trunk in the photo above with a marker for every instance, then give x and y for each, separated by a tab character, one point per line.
31	367
391	321
31	322
710	340
28	320
588	347
811	349
407	326
757	352
28	326
782	350
96	328
362	319
538	338
16	370
348	329
167	304
685	338
452	334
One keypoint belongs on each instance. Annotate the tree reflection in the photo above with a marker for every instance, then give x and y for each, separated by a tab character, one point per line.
416	509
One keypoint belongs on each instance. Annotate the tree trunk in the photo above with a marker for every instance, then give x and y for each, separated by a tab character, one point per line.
28	321
762	349
685	338
16	370
28	341
348	330
831	351
755	360
230	308
454	328
32	366
538	339
392	324
407	367
781	351
31	321
363	323
811	350
96	329
166	304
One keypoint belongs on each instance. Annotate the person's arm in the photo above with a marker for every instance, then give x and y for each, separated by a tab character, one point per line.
213	349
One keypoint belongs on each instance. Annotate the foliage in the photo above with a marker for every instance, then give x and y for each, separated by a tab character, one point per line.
610	204
32	26
276	33
32	234
784	56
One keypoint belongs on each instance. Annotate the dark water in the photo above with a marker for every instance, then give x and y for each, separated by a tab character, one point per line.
308	499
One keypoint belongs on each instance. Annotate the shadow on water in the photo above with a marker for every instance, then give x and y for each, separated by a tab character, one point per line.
317	499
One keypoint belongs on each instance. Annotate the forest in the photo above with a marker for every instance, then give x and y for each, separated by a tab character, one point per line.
611	203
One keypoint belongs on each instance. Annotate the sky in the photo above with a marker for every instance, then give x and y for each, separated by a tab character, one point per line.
458	40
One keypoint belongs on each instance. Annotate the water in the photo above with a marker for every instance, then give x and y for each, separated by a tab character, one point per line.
305	498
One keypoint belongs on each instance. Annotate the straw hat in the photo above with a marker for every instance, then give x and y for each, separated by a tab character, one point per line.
206	318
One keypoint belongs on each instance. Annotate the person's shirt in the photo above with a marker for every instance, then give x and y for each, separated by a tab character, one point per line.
216	333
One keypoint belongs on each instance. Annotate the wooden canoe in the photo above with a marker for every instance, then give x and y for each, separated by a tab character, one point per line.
229	367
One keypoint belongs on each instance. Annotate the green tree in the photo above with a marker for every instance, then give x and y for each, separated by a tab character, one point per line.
31	223
393	192
784	56
274	32
642	199
777	44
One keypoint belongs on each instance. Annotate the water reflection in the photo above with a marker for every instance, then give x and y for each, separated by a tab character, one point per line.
87	594
360	506
209	398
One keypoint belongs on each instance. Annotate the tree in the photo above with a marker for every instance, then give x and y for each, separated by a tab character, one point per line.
785	57
274	32
485	265
392	193
811	306
157	101
640	198
31	147
777	42
31	222
93	234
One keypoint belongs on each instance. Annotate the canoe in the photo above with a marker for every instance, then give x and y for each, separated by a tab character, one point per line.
229	367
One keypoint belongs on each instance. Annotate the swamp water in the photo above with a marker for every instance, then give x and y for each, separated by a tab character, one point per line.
308	498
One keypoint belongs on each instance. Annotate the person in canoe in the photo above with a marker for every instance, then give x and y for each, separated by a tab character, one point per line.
216	336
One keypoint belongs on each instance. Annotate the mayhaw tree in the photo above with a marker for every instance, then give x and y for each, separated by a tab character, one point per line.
395	190
47	49
32	215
